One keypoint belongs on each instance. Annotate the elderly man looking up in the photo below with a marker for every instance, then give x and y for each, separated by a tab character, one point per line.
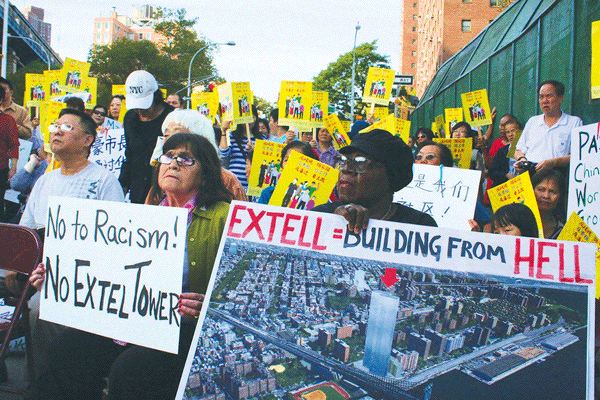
372	168
191	121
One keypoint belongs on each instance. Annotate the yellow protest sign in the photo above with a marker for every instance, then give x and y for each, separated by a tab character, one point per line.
265	166
461	150
378	87
49	111
35	89
304	183
516	190
235	99
595	71
52	84
206	103
575	230
395	126
319	109
452	116
337	132
91	86
380	113
346	125
513	145
73	75
439	120
295	99
476	108
434	126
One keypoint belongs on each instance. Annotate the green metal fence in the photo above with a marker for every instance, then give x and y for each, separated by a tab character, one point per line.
530	42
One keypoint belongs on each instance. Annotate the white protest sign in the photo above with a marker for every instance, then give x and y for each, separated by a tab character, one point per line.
108	150
584	176
447	194
115	269
298	291
24	152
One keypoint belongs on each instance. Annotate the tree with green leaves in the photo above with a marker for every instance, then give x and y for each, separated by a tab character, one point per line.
336	79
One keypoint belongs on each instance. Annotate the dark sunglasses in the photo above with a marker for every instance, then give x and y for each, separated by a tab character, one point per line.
101	113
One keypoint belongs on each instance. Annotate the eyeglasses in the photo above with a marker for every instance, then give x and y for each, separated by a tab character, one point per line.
100	113
359	164
63	127
428	157
181	161
421	136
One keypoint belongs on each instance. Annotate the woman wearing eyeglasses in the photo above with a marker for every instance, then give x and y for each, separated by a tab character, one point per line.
372	168
189	176
103	121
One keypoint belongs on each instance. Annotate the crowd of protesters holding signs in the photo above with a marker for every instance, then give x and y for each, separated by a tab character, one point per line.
291	158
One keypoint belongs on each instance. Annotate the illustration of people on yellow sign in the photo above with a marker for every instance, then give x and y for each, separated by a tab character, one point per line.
319	108
206	103
337	132
265	166
396	126
295	100
453	117
439	120
51	87
378	87
476	108
304	183
461	150
35	91
595	78
236	99
516	190
73	74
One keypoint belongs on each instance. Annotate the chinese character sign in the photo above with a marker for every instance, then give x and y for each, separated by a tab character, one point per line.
304	183
380	113
476	108
108	149
516	190
73	75
453	116
266	166
378	87
35	89
337	132
206	103
295	100
393	125
319	109
461	150
49	111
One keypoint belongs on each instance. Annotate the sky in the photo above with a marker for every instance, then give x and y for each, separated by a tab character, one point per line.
276	40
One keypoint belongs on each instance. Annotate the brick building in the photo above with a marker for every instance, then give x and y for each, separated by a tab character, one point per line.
35	16
435	30
140	26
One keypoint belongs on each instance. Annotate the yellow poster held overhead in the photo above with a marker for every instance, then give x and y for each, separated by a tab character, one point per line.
346	125
595	78
49	111
337	132
295	100
452	116
378	87
476	108
319	109
52	84
380	113
304	183
73	75
207	103
517	190
35	89
575	230
235	99
439	120
461	150
396	126
91	86
265	166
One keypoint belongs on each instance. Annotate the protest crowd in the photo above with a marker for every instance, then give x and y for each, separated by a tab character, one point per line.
181	158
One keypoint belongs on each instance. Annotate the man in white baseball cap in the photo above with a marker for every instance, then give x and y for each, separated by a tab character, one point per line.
142	123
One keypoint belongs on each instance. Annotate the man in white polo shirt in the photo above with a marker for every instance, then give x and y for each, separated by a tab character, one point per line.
546	139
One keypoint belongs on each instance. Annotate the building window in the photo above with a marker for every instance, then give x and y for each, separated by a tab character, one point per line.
141	36
414	29
414	16
414	41
413	65
496	3
98	36
99	25
466	25
106	26
414	53
148	36
467	1
106	37
415	5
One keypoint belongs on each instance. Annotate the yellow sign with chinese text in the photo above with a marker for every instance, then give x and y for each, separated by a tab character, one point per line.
595	71
73	75
319	109
476	108
452	116
337	132
378	87
516	190
396	126
461	150
295	101
35	90
380	113
304	183
266	166
207	103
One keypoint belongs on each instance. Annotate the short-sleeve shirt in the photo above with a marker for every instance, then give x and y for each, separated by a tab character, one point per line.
540	142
